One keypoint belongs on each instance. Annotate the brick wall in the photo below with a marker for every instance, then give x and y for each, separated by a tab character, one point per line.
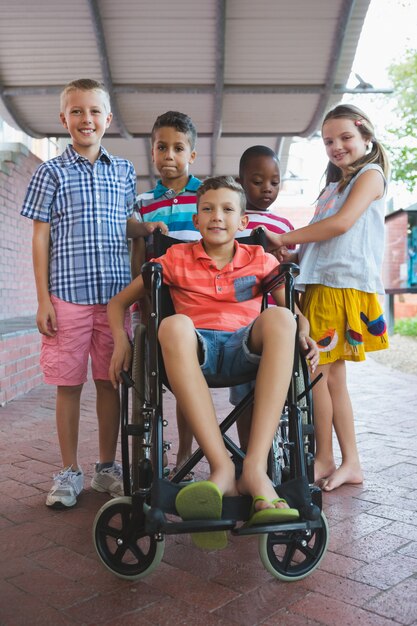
19	337
19	364
394	273
17	287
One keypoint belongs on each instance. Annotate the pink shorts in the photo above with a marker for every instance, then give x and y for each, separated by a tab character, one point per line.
83	331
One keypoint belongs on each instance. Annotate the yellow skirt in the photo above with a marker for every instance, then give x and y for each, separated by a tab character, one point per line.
345	323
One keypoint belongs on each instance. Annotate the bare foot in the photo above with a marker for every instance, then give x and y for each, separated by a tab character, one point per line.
182	458
254	481
323	470
345	474
224	478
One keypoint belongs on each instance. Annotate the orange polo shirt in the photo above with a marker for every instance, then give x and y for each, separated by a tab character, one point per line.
225	299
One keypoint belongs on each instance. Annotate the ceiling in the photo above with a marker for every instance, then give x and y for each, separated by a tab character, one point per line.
246	71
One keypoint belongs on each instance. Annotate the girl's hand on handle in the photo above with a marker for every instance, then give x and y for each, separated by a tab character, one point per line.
282	254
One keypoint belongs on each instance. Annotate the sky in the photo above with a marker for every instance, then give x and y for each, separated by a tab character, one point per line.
389	29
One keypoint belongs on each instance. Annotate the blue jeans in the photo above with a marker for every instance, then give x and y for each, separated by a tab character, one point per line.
227	353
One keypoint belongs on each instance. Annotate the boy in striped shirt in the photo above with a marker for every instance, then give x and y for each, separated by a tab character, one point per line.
174	202
216	287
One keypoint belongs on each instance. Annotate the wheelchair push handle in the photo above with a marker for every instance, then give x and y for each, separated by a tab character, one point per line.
149	271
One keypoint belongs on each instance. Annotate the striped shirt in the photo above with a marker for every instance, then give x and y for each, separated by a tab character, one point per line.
175	210
225	299
272	222
87	206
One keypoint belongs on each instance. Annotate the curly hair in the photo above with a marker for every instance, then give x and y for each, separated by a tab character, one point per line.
180	121
253	152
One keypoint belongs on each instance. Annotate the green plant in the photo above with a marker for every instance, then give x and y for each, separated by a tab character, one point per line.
406	326
404	131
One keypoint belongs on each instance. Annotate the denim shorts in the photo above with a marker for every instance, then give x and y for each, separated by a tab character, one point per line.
226	354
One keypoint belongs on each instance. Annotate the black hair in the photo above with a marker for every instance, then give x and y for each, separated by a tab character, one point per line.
180	121
252	152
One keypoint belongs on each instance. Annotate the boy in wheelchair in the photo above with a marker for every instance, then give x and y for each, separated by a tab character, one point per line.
216	288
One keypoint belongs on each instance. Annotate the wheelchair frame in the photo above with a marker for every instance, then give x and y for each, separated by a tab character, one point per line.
129	531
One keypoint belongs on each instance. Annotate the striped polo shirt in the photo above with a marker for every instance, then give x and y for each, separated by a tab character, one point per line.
175	210
225	299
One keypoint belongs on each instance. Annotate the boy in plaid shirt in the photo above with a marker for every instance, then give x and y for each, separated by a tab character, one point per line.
81	205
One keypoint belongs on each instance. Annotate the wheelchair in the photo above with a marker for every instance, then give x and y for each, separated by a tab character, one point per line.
129	532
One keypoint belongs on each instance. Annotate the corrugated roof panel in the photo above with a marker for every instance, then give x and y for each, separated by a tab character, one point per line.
160	11
46	42
134	60
160	42
264	113
41	114
140	110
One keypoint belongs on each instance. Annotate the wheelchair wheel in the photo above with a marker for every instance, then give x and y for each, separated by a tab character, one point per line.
279	459
293	555
140	395
123	548
305	404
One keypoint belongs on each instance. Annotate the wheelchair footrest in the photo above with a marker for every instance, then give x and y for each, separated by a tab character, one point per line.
277	528
156	522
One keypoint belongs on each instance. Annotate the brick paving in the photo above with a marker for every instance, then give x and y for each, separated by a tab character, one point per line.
50	574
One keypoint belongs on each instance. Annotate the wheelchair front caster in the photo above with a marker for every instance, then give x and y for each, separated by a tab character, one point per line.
293	555
123	547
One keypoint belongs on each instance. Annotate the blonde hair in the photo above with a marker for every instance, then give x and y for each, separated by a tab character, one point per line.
222	182
377	154
85	84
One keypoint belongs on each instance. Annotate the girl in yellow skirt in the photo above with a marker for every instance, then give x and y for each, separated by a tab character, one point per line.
340	274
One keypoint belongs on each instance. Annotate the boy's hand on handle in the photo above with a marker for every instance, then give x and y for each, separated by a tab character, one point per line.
310	350
120	360
46	319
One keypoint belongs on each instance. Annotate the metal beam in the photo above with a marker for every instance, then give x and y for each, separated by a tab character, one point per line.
15	117
278	146
219	79
48	90
271	134
105	66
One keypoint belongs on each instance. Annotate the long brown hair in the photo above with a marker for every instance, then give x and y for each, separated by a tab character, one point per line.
377	154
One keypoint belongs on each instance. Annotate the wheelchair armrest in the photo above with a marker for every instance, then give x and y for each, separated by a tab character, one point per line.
286	273
149	270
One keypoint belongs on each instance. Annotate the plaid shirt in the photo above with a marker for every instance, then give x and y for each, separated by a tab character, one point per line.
87	206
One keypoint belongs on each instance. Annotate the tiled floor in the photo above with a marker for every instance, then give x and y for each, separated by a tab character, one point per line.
50	574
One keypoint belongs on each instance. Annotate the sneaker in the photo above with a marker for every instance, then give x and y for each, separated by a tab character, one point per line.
67	486
109	480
